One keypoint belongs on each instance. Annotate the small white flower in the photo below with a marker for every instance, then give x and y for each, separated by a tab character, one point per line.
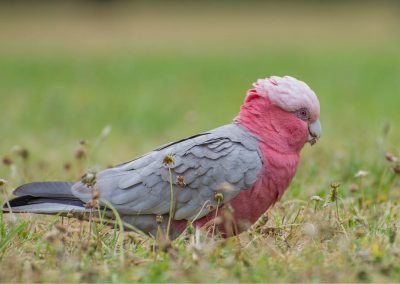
226	187
309	229
106	131
363	254
316	198
361	174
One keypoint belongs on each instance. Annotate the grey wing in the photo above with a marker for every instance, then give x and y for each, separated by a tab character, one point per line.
203	166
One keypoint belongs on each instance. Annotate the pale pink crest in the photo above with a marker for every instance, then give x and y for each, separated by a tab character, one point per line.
289	94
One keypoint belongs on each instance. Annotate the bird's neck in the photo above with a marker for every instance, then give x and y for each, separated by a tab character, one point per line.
276	129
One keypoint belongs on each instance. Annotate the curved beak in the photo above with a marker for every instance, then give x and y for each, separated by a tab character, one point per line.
314	132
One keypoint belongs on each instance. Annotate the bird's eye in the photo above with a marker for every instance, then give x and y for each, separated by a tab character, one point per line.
303	114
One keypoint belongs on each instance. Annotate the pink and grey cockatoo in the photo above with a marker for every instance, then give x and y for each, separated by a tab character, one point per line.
248	164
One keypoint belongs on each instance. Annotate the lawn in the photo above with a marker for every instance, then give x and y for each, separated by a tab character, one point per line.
53	98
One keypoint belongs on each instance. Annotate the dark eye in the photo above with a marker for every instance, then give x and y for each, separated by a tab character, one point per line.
303	114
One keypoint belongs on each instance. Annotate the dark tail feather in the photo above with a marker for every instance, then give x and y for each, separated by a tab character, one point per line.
29	204
54	198
45	198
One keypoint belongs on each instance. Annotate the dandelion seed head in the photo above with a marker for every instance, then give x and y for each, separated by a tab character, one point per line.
309	229
89	178
219	197
168	160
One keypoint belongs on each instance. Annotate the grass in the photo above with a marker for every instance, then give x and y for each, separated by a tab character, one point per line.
50	101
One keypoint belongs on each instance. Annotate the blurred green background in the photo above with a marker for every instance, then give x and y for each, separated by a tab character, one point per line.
159	71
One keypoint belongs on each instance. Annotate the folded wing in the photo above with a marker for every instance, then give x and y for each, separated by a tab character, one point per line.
226	160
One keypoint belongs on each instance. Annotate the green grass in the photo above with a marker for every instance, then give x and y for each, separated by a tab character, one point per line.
158	97
51	102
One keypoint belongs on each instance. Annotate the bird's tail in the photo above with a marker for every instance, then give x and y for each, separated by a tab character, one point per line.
45	198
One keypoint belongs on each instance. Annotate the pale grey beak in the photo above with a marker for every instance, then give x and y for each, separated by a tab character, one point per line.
314	132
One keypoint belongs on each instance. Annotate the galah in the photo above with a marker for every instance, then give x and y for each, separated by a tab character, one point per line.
246	166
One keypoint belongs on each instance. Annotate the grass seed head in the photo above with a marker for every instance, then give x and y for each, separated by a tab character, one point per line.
95	195
210	207
80	153
67	166
21	151
335	185
180	181
353	187
334	192
91	204
396	169
159	219
391	158
7	161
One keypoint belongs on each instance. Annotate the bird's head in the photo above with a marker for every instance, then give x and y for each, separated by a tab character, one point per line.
282	105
